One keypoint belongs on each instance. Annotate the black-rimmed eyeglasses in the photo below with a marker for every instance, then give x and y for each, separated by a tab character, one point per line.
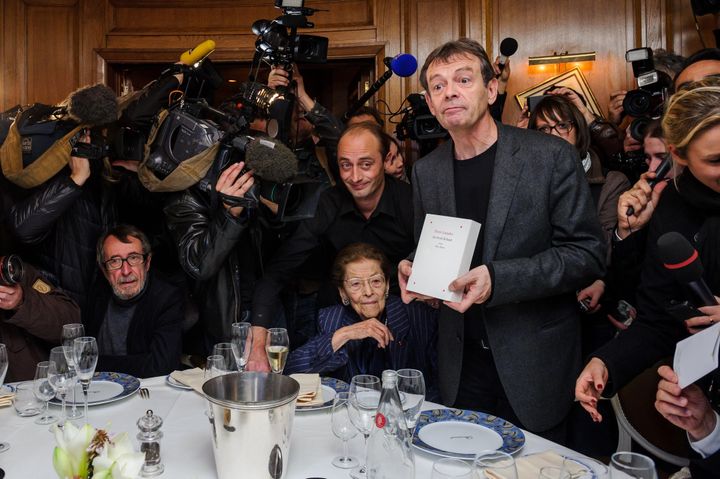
562	128
133	259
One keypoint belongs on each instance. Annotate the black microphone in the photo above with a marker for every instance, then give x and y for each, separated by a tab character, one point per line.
508	47
660	172
683	262
402	65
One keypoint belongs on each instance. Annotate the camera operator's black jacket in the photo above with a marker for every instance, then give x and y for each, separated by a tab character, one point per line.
57	225
220	252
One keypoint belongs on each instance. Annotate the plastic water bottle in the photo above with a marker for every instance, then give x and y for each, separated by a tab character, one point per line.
389	453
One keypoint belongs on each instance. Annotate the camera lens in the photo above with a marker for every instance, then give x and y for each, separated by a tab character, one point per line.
638	128
637	103
11	270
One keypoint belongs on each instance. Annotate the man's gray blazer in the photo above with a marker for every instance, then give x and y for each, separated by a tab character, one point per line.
543	239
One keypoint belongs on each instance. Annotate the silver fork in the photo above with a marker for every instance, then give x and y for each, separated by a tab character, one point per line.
145	393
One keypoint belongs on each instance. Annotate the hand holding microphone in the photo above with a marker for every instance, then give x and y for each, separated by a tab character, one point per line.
662	170
508	47
640	201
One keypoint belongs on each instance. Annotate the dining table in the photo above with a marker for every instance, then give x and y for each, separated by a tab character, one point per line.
186	447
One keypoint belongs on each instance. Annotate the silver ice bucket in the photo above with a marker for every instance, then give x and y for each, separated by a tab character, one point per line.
251	416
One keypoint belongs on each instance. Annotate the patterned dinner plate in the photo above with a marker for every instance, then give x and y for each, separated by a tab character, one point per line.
104	388
7	389
462	434
328	387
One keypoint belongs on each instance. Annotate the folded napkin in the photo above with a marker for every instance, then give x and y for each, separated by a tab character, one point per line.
529	466
310	391
6	399
195	378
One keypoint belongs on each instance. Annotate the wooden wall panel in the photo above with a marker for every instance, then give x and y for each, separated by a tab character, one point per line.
430	24
570	26
196	17
683	37
46	50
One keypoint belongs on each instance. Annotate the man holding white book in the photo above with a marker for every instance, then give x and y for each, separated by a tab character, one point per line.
511	345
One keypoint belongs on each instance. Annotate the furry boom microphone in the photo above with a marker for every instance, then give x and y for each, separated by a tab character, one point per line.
93	105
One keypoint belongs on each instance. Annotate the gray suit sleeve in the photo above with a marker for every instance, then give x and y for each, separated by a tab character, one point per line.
575	255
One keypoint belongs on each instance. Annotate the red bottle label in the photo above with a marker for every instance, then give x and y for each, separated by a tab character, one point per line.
380	421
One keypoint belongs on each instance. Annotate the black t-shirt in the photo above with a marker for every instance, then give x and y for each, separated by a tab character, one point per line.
473	178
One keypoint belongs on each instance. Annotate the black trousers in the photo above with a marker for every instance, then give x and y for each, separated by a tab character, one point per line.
481	390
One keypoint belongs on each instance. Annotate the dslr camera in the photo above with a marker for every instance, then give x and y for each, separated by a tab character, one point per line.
653	86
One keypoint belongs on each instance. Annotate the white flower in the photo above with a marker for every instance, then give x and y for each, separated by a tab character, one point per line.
70	457
118	460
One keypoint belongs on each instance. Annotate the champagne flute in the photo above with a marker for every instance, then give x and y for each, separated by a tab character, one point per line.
631	465
4	446
61	376
343	429
364	400
44	391
277	348
228	352
85	352
242	338
69	333
411	386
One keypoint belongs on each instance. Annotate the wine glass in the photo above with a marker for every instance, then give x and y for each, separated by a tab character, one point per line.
343	429
85	352
631	465
411	386
495	464
69	333
4	446
228	352
450	468
277	348
242	338
364	399
44	391
61	376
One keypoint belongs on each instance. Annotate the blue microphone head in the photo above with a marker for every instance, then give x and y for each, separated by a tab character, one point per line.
403	65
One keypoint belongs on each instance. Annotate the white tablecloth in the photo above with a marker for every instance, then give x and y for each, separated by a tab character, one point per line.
186	448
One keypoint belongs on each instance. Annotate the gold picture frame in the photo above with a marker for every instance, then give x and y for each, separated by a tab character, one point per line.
571	79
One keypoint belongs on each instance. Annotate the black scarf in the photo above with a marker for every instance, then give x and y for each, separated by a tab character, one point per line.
707	202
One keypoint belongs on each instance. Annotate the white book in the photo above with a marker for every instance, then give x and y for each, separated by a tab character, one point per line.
444	253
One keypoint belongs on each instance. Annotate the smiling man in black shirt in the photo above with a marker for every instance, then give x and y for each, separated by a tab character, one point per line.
368	207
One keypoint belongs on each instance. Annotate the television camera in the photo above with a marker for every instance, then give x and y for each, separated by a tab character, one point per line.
278	42
202	141
417	123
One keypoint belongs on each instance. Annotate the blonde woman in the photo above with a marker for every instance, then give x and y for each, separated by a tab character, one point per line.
690	205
